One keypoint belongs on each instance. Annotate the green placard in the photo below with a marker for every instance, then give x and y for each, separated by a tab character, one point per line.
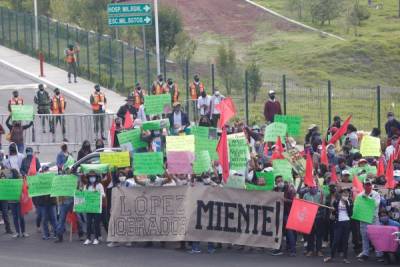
274	130
132	137
205	139
40	185
238	153
64	186
293	123
22	113
156	124
362	171
116	159
202	162
283	167
269	182
87	202
70	161
98	168
157	104
150	163
364	209
10	189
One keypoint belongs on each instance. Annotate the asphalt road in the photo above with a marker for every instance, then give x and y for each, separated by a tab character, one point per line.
76	127
33	251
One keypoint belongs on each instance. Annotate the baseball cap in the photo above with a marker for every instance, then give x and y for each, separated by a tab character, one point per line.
271	92
367	181
345	172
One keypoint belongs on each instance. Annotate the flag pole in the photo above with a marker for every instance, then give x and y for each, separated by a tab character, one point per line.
322	206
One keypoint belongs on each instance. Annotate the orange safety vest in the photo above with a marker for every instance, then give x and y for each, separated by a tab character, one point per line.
158	89
97	99
139	98
196	90
173	88
58	108
70	57
16	101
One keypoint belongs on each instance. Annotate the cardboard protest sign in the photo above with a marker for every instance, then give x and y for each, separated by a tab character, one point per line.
10	189
150	163
40	185
156	124
22	113
236	181
180	162
284	168
202	162
364	209
293	123
98	168
205	139
132	137
157	104
87	202
274	130
302	216
269	182
370	146
116	159
296	159
362	172
68	164
238	151
204	132
64	186
180	143
382	237
183	213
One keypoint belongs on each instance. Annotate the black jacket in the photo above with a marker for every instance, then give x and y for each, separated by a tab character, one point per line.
349	208
123	109
184	119
392	127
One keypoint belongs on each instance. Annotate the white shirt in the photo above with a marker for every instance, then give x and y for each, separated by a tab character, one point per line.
14	161
177	119
215	100
141	114
343	215
204	101
389	151
99	188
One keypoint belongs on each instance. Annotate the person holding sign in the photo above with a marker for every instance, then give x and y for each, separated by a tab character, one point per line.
93	219
15	158
15	100
98	101
129	106
58	106
369	194
178	120
17	133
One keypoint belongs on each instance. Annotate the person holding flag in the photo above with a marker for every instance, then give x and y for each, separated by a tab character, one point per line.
128	108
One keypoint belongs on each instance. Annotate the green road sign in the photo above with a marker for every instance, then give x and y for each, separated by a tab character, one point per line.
130	21
118	9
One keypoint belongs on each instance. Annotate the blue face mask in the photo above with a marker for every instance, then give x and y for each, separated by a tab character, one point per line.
92	179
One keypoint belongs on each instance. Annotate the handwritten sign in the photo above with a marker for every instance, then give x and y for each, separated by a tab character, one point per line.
238	151
40	185
364	209
274	130
180	162
269	182
202	162
64	186
150	163
284	168
22	113
157	104
180	143
293	123
98	168
132	137
116	159
10	189
370	146
87	202
155	125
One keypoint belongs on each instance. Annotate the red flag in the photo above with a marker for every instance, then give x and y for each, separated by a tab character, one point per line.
302	215
227	110
266	149
111	134
397	150
324	156
32	168
309	178
342	130
72	219
222	149
25	200
278	150
357	187
390	182
381	167
334	178
128	123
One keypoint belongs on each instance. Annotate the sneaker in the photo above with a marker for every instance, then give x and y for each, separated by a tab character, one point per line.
113	244
320	254
292	254
1	222
128	244
194	251
328	259
87	242
17	235
9	232
75	81
45	237
25	235
96	241
363	258
211	251
380	259
346	261
309	254
276	252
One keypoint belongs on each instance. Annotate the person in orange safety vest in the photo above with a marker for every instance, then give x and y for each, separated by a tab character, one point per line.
15	100
98	101
138	95
158	86
172	88
58	105
71	60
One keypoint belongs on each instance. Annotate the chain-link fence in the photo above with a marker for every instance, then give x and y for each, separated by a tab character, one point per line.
118	65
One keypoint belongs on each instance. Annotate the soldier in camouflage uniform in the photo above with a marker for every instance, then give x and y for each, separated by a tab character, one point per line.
42	99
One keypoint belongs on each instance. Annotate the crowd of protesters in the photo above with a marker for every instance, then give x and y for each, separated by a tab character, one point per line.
333	229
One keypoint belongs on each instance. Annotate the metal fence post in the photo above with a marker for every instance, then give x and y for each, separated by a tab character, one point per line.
16	31
378	105
33	48
25	41
187	87
329	103
77	41
87	54
58	42
165	66
122	65
213	78
110	63
9	27
147	55
135	64
2	25
48	40
40	34
284	93
98	56
246	92
67	34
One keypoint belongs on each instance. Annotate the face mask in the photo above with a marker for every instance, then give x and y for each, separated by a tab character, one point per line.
41	89
57	93
92	179
397	192
170	82
345	198
280	185
332	190
122	179
160	79
98	90
197	80
29	154
272	97
331	152
390	118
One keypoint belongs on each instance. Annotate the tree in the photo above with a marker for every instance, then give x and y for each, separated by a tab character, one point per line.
170	24
184	49
296	6
254	79
227	67
357	14
27	6
322	11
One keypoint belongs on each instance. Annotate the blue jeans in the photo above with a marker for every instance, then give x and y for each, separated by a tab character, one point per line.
291	237
19	221
63	209
341	237
196	245
365	240
48	214
4	213
21	148
93	223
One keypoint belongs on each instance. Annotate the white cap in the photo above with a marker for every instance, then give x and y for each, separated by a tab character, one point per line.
268	169
271	92
345	172
217	93
396	173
